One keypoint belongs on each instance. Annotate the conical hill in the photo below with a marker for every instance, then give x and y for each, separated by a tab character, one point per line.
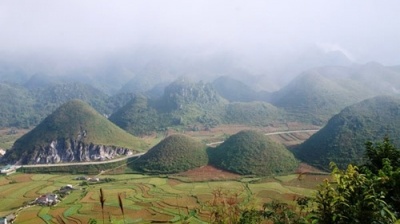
174	154
343	139
252	153
74	132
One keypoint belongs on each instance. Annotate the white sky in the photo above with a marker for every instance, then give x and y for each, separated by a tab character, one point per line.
365	30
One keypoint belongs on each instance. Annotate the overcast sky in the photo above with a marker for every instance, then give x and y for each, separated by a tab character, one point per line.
364	30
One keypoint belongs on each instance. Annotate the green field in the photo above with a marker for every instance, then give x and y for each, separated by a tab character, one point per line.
146	199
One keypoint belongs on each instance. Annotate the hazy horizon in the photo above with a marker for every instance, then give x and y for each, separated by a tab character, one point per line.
264	38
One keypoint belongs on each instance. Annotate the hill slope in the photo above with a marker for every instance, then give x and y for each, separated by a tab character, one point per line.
236	91
193	106
343	139
251	152
16	107
317	94
184	103
74	132
174	154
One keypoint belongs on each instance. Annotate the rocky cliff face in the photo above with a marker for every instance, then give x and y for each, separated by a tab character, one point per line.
64	151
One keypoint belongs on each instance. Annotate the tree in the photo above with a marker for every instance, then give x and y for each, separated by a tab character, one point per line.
384	166
376	153
352	198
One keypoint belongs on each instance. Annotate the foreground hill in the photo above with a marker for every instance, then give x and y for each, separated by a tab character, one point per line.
251	152
176	153
74	132
343	139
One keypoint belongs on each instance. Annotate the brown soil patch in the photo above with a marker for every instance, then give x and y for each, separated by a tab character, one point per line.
173	182
21	178
179	203
207	173
305	168
89	197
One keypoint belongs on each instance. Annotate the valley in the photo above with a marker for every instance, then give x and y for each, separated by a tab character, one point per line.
146	198
175	197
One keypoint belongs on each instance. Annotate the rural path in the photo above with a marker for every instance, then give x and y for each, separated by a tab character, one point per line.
271	133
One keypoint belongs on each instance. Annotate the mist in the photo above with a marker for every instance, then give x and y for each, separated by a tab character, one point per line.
274	40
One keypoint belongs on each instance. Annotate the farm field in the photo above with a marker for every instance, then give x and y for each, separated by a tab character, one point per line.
146	199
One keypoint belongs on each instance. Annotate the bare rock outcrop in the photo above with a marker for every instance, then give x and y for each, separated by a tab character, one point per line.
67	150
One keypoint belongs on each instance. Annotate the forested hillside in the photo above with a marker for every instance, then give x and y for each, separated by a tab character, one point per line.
343	139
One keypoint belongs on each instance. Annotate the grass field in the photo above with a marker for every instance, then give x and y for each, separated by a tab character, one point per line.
146	199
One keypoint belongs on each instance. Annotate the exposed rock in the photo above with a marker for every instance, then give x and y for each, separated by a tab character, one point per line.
67	150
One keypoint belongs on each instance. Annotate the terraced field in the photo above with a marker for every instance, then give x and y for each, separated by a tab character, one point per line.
146	199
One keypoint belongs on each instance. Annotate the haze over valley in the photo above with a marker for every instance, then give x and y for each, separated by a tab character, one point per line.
168	101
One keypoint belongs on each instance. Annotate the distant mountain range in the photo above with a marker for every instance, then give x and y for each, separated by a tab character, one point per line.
313	97
191	105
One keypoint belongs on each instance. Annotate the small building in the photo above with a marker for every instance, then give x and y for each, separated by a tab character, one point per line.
7	219
47	199
65	189
3	220
81	178
93	179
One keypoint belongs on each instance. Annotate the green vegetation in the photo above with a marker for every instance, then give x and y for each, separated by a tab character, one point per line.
312	97
16	107
139	118
174	154
183	104
343	139
356	195
73	123
25	107
236	91
145	199
191	106
253	113
367	194
250	152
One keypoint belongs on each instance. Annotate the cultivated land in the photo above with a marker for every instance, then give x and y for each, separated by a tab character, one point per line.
170	198
146	198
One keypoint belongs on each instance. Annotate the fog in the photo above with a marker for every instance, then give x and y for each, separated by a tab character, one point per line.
262	38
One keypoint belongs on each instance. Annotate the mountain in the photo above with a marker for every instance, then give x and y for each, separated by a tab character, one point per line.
343	139
192	106
75	132
253	113
317	94
51	97
138	117
42	81
236	91
184	103
252	153
17	106
184	93
176	153
314	97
